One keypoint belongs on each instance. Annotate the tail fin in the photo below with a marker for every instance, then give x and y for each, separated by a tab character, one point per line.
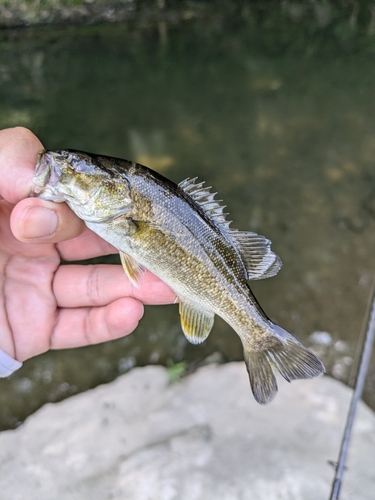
290	357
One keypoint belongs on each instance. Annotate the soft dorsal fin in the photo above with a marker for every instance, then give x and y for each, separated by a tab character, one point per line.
195	323
205	199
259	260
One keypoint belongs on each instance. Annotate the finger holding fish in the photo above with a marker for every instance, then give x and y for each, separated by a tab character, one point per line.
79	326
31	252
99	285
40	222
19	149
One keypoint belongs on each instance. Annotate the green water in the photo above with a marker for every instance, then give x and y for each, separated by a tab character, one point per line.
283	127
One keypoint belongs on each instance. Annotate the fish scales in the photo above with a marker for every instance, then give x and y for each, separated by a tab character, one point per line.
179	233
192	242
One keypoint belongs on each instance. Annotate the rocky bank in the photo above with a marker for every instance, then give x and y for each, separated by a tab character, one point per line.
204	437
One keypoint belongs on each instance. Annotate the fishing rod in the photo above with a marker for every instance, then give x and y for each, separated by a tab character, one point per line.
367	343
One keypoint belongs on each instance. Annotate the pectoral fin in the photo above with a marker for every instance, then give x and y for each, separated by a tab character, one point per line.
133	269
196	323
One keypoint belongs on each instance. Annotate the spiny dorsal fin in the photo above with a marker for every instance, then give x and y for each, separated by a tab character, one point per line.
133	269
196	323
259	260
205	199
255	250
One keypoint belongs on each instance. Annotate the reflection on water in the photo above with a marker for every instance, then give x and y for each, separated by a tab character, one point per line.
150	149
287	138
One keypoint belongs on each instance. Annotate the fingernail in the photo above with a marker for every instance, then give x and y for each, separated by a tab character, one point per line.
37	222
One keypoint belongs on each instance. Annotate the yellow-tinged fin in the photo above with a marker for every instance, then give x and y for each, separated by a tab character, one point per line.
196	323
133	269
290	357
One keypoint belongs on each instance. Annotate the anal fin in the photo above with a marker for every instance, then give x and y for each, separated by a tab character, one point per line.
196	323
133	269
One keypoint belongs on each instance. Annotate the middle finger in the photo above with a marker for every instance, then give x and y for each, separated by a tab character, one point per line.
101	284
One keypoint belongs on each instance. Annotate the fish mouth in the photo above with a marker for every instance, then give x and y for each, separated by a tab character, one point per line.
46	176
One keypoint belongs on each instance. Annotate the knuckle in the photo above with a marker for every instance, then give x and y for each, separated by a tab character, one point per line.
93	285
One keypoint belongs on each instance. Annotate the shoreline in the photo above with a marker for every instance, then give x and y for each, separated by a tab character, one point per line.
201	437
23	14
349	19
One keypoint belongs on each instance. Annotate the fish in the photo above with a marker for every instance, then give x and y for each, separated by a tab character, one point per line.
180	233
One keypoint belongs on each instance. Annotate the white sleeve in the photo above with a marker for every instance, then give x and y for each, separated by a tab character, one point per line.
8	365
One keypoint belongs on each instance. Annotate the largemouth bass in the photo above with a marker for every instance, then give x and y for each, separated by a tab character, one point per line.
180	233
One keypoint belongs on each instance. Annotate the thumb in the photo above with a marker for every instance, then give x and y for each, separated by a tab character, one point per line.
39	221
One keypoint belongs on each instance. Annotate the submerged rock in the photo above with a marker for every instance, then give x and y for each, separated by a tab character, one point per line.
139	438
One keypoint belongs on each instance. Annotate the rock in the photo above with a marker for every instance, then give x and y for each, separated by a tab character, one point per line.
202	438
321	338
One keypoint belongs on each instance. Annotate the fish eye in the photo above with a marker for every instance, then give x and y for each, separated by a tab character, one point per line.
80	163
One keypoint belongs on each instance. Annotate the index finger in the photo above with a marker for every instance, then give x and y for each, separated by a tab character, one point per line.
19	149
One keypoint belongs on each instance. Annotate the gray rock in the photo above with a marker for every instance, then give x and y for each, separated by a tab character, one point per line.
204	438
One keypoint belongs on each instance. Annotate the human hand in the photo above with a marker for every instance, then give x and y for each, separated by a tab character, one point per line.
44	305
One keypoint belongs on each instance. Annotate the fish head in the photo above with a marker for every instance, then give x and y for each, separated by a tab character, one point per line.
93	193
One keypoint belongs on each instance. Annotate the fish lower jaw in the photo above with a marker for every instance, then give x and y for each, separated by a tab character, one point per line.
44	193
